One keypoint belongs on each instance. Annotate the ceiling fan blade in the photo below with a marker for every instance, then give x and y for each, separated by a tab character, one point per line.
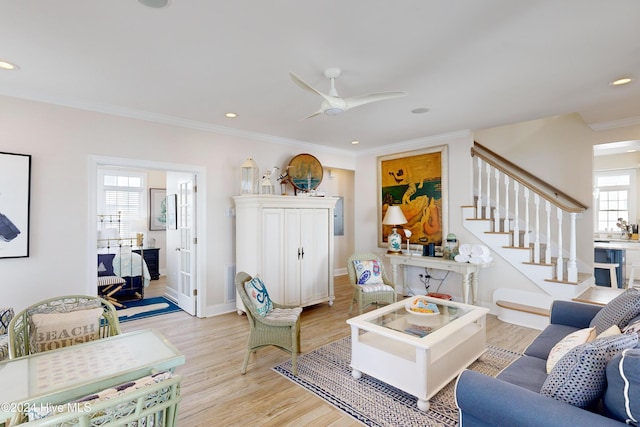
317	113
304	85
356	101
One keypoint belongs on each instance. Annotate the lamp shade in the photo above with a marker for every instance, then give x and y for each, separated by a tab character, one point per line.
394	216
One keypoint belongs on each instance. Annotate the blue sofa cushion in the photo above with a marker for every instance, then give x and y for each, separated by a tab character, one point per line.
619	311
552	334
622	397
527	372
579	378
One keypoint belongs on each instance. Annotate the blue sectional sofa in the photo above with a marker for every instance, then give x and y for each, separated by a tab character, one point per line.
514	397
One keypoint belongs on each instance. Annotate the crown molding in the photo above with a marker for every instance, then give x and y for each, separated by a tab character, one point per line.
614	124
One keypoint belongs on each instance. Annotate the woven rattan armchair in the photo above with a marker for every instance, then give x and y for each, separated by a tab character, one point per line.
280	327
365	295
20	326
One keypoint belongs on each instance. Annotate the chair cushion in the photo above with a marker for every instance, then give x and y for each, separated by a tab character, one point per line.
368	272
579	378
619	311
623	387
105	264
284	315
257	292
567	343
376	288
49	331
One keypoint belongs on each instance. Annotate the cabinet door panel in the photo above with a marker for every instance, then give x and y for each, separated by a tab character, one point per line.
314	268
292	257
273	244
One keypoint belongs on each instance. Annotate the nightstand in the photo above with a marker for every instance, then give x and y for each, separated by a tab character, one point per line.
152	258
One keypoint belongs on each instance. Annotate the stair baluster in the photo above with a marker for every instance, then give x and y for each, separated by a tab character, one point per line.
496	219
547	249
479	202
516	217
560	260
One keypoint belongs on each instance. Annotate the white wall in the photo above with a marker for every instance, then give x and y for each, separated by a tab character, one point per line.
61	141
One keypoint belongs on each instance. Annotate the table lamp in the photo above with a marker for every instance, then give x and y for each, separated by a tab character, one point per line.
394	217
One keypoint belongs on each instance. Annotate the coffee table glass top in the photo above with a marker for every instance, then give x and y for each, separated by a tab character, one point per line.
418	325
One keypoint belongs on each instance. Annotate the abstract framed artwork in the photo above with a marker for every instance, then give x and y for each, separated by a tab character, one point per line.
157	209
417	182
15	200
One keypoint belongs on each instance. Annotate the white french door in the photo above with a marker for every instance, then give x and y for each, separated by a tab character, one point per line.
186	223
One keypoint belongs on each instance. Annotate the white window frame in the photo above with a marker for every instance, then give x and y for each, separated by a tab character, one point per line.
133	224
631	196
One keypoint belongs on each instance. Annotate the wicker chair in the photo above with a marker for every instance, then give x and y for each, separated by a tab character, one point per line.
20	325
6	314
365	295
280	327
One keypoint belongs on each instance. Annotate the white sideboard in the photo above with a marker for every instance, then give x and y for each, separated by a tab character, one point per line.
288	241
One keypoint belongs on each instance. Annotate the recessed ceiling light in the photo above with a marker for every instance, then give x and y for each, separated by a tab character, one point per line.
621	81
231	115
5	65
354	142
420	110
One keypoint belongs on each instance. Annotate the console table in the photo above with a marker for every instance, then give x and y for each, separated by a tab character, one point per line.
72	372
468	271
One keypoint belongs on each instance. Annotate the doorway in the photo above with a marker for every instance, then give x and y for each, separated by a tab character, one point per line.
184	269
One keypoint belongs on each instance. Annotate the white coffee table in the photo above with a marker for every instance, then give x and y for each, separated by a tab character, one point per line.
385	344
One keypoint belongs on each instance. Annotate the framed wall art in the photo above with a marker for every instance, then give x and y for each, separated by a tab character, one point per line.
15	199
417	182
157	209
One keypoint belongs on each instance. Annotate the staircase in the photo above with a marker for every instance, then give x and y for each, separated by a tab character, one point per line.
522	219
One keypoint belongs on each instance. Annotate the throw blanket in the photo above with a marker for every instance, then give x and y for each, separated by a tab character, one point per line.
131	265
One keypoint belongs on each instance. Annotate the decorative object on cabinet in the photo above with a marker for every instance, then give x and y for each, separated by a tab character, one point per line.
289	241
266	185
416	181
249	177
305	172
15	189
157	209
394	217
366	294
172	212
21	328
279	327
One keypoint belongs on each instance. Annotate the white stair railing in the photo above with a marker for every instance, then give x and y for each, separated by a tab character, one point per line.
490	167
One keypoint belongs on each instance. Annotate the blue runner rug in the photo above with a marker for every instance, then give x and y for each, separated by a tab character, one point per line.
147	307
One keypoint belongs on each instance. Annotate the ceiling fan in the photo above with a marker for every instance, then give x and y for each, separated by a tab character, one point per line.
332	104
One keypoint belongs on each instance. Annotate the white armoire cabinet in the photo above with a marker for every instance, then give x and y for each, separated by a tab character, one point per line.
288	241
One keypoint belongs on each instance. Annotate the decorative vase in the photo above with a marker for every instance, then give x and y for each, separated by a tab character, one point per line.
394	241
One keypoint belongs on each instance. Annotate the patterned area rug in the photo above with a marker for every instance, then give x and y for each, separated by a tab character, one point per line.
326	373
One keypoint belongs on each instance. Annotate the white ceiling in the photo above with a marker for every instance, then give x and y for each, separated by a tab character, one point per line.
474	63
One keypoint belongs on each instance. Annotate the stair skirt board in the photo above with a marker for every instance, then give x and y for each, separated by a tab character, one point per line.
525	305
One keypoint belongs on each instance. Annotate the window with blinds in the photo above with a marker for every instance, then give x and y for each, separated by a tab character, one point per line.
123	192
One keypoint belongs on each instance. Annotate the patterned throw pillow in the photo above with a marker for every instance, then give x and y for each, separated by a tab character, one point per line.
6	314
579	378
368	272
259	296
623	387
49	331
632	328
105	264
567	343
619	311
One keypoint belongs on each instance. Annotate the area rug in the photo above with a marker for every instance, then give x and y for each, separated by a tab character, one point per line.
326	373
147	307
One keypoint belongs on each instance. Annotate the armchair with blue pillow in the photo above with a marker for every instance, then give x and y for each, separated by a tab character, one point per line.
582	370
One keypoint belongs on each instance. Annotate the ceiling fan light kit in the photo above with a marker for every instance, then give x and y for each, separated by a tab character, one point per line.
332	103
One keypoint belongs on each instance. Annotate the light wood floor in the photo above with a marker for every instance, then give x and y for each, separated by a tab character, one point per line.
215	393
